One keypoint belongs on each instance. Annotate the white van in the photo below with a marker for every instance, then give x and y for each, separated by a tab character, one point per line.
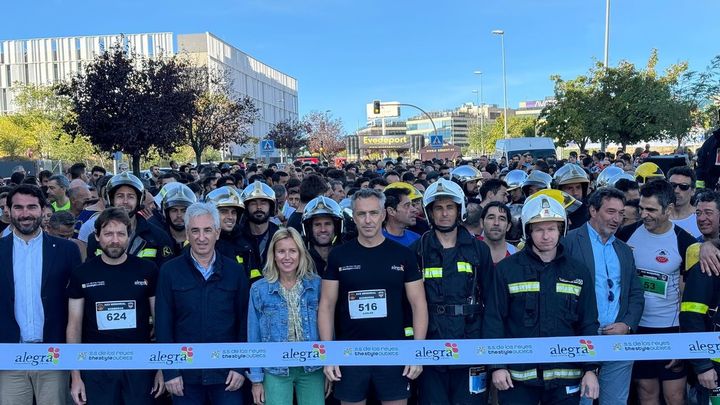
538	147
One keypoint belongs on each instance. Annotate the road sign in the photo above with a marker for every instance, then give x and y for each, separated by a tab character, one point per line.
436	141
267	146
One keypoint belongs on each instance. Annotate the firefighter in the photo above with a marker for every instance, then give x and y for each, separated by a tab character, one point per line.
322	225
573	180
647	171
469	179
257	229
457	269
232	244
174	204
515	180
540	292
147	241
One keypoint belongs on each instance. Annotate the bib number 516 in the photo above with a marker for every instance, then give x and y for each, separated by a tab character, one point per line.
368	307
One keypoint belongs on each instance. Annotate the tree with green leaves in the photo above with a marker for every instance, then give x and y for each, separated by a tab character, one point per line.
122	104
218	116
324	134
518	127
290	136
618	104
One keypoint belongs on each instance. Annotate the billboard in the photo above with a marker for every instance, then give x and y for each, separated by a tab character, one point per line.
385	141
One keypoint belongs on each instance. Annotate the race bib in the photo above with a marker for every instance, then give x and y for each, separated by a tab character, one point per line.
654	283
477	379
112	315
365	304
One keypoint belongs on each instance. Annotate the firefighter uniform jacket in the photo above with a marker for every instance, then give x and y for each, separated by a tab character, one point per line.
698	310
234	246
147	241
455	283
531	299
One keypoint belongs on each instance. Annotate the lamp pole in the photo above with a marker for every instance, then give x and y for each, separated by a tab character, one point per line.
501	33
482	112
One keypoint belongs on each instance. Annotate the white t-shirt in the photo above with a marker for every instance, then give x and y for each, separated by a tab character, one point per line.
87	229
689	224
658	264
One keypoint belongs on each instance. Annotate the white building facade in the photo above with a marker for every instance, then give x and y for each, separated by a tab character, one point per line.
46	61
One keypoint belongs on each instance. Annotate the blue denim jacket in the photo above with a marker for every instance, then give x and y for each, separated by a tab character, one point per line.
268	319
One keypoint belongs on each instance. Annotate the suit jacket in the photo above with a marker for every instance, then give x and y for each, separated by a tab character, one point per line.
60	258
632	299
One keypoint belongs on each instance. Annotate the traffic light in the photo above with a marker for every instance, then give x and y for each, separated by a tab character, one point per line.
376	107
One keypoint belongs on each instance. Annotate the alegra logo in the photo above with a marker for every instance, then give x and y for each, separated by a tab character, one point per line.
185	355
448	351
585	348
316	352
320	349
709	348
52	356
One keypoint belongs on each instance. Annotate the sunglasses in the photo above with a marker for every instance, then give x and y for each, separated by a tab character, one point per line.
683	187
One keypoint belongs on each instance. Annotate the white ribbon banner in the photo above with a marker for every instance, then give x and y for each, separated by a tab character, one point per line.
46	356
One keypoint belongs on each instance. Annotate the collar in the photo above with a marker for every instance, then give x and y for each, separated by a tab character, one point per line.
216	261
275	286
36	239
559	254
594	235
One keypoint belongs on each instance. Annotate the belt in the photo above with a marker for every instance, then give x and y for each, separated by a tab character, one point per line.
455	310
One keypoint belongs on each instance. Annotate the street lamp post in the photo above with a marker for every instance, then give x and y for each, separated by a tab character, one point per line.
482	112
477	115
501	33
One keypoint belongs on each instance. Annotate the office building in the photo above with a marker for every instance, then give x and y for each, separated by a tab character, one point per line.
45	61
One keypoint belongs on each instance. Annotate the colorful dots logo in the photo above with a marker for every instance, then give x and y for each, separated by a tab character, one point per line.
588	344
188	352
54	354
452	350
319	349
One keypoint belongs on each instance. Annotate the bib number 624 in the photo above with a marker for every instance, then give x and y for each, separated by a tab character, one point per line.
114	316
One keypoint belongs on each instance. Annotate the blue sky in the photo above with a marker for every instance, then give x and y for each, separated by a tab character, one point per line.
347	53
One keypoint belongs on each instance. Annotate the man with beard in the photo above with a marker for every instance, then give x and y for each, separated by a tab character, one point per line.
232	244
322	228
457	269
112	297
468	178
573	180
259	201
174	205
495	218
147	241
401	214
33	304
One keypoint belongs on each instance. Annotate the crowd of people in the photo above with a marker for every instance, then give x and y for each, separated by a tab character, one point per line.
375	250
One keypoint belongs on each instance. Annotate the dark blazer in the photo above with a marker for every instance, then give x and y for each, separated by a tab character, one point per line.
632	299
60	258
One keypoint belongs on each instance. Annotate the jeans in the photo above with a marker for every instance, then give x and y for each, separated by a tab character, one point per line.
614	382
309	387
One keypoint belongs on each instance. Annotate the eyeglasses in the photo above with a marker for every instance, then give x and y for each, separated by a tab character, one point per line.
683	187
611	295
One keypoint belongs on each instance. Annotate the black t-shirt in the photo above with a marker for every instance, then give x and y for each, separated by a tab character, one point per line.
372	289
117	307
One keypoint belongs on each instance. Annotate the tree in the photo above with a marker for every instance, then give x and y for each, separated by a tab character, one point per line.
42	114
122	104
289	136
14	138
218	116
325	134
479	140
619	104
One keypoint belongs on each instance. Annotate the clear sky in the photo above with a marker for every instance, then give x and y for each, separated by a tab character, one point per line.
345	53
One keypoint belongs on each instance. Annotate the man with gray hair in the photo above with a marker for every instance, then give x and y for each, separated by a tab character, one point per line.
364	291
58	186
202	287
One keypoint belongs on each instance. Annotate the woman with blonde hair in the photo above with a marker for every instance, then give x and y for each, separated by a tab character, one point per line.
283	308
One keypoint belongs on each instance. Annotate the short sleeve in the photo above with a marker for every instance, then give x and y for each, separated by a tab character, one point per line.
412	273
331	271
74	288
